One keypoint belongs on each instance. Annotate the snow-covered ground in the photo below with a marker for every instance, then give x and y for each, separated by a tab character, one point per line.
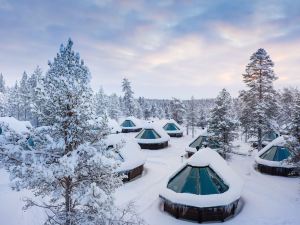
269	200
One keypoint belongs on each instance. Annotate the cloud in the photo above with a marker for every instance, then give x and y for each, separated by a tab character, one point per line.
167	48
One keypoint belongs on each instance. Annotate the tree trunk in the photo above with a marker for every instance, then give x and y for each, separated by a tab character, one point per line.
68	201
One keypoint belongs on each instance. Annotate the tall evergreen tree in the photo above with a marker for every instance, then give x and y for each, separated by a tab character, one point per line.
259	101
128	100
68	166
221	125
100	103
24	92
191	115
2	84
177	110
113	108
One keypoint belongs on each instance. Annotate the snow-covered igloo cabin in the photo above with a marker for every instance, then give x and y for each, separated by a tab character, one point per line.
204	139
129	154
20	127
152	137
267	137
131	124
114	127
272	159
172	128
205	188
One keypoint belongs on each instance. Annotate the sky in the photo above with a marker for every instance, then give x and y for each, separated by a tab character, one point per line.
166	48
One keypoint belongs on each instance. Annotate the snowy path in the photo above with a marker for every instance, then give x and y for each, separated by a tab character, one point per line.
269	200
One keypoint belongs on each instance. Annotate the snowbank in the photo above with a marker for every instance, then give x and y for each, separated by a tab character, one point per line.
114	126
16	125
164	137
130	151
208	157
280	141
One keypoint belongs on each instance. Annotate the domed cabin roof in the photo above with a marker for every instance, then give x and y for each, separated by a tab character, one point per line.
131	123
172	127
20	127
152	134
274	154
129	152
204	181
114	126
203	139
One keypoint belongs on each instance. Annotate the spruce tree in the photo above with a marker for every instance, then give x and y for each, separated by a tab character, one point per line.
177	108
260	107
68	167
2	84
128	100
192	115
221	124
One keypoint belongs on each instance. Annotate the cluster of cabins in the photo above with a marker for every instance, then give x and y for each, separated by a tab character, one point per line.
204	188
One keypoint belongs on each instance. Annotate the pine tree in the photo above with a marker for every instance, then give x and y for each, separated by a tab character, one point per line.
191	115
177	110
153	110
68	167
24	92
113	108
259	101
2	84
14	99
294	129
221	125
128	100
100	103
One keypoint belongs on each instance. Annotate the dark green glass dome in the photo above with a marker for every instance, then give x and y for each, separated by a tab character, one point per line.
201	140
198	181
148	134
276	153
128	123
171	127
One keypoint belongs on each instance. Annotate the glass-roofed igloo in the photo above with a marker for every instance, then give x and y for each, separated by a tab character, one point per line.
204	189
131	124
152	137
173	129
271	159
203	140
129	155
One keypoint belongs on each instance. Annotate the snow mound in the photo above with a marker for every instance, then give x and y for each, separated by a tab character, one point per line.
130	151
208	157
16	125
114	126
161	132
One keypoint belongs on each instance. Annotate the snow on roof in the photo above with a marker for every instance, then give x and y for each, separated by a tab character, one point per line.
114	126
16	125
280	141
137	122
161	132
130	151
208	157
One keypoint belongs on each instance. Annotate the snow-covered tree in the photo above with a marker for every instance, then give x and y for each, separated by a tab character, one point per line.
2	84
14	107
221	125
177	110
260	107
128	100
113	107
294	130
153	110
191	115
100	103
66	165
24	92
